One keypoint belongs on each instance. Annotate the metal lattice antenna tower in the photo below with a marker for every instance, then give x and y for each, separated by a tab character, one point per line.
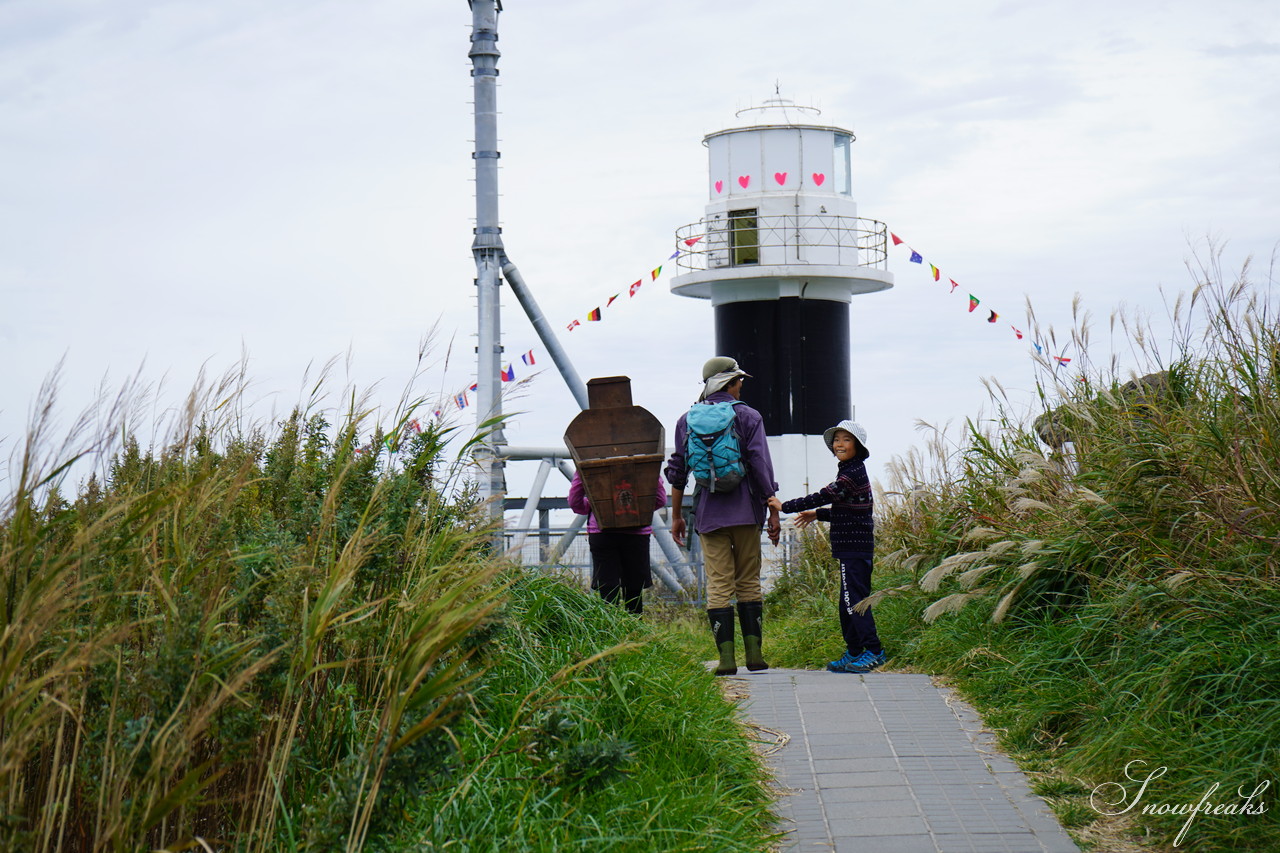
492	267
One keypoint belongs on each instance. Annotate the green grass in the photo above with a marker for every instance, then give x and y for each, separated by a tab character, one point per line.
589	733
295	637
231	636
1119	605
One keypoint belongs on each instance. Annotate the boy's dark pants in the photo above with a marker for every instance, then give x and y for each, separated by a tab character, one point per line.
859	629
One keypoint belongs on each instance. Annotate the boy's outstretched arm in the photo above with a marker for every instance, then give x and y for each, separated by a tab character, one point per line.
803	519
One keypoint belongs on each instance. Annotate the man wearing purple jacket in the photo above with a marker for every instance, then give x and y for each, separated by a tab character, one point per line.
729	523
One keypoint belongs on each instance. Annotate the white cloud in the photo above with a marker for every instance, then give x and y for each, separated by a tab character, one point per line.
181	180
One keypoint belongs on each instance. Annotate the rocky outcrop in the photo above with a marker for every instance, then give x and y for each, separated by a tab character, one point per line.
1060	425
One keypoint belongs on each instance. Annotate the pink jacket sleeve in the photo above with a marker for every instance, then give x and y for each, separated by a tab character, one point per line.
578	496
661	499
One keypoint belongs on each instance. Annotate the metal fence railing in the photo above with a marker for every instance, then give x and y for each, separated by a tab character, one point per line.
817	238
539	544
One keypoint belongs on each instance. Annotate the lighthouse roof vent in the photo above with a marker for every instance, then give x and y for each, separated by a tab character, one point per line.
777	111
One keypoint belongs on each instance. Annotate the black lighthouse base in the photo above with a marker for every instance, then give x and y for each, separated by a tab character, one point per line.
797	351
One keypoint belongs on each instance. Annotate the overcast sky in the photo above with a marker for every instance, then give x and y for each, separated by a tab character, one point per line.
182	181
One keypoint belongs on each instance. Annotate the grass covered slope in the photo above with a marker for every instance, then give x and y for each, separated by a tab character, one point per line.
1113	608
235	638
586	733
295	638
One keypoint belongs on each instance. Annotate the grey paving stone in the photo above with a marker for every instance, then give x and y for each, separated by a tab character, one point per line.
849	751
922	779
837	687
984	844
874	779
886	844
821	743
823	764
821	721
877	826
856	807
863	763
833	797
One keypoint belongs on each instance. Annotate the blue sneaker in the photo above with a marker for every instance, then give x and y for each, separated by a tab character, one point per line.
847	660
867	661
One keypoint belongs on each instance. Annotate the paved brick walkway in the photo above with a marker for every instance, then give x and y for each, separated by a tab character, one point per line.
889	763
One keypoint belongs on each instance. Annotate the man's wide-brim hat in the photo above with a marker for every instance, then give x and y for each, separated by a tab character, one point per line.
719	372
722	364
857	430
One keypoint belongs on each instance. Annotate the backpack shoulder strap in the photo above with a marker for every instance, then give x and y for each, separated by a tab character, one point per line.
737	433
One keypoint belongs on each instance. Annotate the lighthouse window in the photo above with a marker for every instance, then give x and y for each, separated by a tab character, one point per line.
841	181
744	237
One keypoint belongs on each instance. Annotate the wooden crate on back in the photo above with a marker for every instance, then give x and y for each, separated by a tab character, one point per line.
618	448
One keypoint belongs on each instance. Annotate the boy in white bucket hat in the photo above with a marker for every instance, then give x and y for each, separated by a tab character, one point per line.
852	541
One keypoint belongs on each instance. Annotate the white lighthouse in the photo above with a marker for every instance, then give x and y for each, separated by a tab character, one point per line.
780	253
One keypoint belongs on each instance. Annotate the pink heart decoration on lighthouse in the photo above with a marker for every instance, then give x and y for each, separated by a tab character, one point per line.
719	186
818	178
743	180
780	177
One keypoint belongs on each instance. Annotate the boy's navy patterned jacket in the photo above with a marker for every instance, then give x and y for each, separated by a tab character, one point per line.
852	528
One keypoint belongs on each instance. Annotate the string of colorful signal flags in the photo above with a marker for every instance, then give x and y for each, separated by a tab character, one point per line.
993	316
595	315
461	400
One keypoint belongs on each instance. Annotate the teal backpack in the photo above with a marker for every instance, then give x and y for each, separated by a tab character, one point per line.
711	446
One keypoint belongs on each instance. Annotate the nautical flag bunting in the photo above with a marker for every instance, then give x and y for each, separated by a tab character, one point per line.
993	317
